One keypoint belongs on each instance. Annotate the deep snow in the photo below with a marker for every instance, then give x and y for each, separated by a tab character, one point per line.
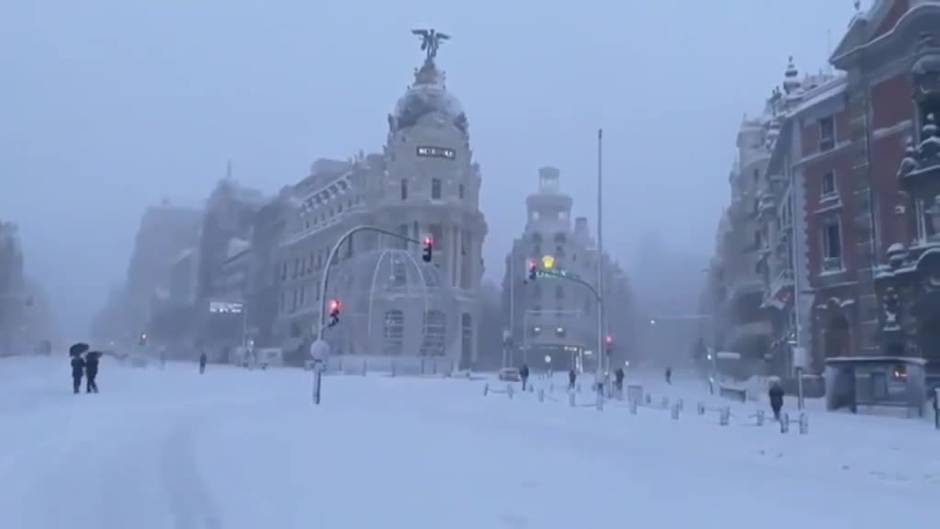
247	449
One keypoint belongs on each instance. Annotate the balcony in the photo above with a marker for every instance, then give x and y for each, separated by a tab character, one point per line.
742	332
832	265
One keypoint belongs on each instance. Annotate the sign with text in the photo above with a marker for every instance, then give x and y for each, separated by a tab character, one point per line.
226	307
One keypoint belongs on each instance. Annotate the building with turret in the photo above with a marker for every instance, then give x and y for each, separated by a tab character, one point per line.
551	322
423	184
843	216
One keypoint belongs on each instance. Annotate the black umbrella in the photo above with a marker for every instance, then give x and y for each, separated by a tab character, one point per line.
78	349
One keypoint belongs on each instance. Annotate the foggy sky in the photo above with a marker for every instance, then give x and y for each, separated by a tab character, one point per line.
111	105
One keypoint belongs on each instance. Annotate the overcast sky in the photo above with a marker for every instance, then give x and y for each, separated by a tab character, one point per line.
108	106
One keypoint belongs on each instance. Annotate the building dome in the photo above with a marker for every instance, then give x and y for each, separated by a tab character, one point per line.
428	95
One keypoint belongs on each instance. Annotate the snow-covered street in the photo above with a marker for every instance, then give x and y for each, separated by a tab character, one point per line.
246	449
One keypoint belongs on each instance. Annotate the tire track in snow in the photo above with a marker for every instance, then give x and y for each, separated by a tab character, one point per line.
191	503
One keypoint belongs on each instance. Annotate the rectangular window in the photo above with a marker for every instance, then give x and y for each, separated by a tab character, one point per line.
827	134
460	191
756	176
403	231
303	292
404	189
437	235
435	189
832	246
829	184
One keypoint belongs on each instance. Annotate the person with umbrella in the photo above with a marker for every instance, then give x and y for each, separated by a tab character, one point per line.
78	365
91	371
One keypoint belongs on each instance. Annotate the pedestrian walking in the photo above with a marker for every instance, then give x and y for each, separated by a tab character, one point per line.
78	365
202	362
572	378
91	371
669	375
619	375
524	374
776	398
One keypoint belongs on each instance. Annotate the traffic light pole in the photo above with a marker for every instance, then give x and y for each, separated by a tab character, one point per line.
600	303
324	281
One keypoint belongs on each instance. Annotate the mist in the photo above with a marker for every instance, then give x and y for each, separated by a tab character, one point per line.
112	106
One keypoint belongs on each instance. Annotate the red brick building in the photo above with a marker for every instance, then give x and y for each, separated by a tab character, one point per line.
850	140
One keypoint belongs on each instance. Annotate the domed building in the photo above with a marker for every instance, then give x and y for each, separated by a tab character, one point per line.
424	184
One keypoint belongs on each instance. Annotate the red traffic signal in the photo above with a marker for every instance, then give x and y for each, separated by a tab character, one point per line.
335	307
609	343
533	269
428	249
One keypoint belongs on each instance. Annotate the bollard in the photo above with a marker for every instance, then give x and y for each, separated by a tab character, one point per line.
541	395
785	423
571	398
725	416
633	406
760	417
600	401
365	367
675	412
393	370
700	408
486	387
804	423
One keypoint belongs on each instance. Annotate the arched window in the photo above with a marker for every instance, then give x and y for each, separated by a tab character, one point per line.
394	331
435	333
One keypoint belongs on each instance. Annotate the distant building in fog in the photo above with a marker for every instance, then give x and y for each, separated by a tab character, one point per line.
553	318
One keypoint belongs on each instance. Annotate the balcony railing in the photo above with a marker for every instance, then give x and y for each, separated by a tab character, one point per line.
832	264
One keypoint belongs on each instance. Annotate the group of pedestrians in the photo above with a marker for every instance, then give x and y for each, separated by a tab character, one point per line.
84	364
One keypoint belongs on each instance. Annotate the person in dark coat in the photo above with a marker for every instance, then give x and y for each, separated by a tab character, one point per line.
91	371
524	374
78	365
776	398
618	378
202	362
668	375
572	378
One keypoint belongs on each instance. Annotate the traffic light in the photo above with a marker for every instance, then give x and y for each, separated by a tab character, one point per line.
533	269
142	341
608	344
336	306
428	249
